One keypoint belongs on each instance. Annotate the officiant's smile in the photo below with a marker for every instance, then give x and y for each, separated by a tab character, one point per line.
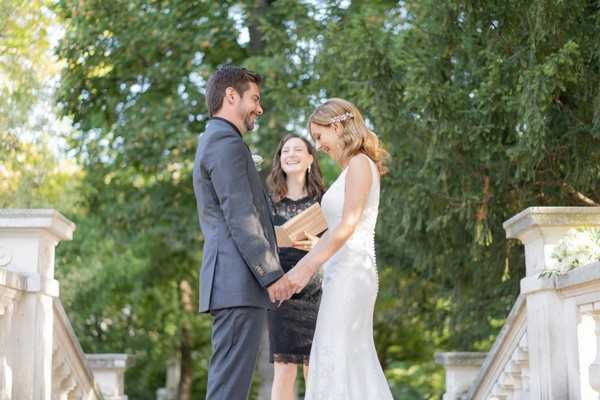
295	157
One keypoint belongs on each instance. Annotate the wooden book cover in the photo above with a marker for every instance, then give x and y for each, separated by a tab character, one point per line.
310	220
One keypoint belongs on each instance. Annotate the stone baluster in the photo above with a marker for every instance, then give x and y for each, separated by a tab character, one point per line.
594	369
551	321
589	340
521	360
28	239
461	370
63	380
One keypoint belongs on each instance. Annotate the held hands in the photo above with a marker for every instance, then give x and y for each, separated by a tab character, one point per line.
281	290
299	276
306	244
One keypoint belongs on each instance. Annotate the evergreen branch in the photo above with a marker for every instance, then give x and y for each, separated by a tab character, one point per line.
580	196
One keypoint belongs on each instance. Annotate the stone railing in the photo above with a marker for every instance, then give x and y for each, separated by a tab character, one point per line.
549	347
40	356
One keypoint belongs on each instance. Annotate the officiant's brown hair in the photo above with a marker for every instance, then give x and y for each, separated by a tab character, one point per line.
226	76
276	181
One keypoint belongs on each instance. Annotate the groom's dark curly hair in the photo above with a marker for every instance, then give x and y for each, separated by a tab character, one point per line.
228	76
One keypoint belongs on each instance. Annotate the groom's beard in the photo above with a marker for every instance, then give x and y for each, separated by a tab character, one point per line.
249	121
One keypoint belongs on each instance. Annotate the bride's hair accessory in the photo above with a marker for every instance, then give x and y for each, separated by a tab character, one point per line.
341	118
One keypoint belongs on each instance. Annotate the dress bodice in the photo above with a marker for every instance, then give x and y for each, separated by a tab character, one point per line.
288	208
332	204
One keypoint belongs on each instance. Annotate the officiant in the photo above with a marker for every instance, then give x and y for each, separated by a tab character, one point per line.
295	183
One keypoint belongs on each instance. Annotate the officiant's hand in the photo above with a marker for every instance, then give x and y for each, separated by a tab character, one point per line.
281	290
299	276
306	244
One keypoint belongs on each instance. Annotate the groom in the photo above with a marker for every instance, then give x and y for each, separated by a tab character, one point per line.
241	276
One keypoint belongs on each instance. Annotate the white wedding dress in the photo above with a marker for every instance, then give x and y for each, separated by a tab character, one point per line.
343	361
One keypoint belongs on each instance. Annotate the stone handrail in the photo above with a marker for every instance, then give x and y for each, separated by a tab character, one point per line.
71	375
505	370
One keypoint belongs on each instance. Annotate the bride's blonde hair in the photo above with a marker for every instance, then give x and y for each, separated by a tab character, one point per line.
356	137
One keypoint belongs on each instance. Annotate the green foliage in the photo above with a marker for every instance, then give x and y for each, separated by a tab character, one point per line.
132	83
23	45
486	108
31	177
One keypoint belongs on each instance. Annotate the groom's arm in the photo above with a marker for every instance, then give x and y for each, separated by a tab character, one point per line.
228	170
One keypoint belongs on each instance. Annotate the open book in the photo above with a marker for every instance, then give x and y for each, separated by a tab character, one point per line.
310	220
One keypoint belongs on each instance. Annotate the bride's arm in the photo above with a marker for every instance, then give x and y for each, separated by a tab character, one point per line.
357	188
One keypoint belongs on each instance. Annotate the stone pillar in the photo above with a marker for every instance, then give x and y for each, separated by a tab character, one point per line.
27	242
109	374
551	320
461	370
170	391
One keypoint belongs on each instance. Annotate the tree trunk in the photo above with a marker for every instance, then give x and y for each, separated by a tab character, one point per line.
255	13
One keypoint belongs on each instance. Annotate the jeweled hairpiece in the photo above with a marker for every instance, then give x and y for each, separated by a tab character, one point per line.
341	117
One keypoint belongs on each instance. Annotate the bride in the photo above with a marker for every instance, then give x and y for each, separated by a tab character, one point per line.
344	364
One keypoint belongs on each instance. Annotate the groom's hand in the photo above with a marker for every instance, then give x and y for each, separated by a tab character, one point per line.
281	290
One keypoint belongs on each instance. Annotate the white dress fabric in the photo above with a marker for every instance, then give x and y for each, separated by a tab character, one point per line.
343	360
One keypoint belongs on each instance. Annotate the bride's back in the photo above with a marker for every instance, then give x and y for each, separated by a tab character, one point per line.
363	238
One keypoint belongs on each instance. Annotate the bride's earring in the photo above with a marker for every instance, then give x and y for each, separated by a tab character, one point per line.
309	169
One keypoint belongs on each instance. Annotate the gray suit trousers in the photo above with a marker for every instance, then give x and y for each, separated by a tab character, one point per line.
236	336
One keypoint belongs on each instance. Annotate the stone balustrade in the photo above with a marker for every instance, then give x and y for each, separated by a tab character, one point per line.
40	356
549	347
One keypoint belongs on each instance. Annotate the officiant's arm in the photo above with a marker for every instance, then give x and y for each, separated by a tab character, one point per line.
228	170
357	187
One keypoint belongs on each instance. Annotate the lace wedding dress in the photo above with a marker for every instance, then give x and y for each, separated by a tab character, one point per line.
343	361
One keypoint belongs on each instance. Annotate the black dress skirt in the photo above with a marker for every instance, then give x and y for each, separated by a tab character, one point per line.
292	325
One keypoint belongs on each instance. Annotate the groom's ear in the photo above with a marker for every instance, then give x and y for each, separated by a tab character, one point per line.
230	95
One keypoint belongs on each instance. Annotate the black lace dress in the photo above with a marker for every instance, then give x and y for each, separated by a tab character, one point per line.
292	325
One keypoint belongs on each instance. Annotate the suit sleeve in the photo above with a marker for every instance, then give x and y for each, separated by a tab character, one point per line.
228	170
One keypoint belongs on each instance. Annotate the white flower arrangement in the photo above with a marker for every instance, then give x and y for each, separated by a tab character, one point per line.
578	248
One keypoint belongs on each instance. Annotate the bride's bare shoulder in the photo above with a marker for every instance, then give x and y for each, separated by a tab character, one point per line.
359	170
359	161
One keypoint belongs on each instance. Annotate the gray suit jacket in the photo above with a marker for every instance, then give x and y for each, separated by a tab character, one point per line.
240	250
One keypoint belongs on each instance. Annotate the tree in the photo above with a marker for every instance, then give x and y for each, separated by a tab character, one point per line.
25	61
485	108
133	85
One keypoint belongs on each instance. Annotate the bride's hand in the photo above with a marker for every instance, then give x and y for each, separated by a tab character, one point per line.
299	276
306	244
